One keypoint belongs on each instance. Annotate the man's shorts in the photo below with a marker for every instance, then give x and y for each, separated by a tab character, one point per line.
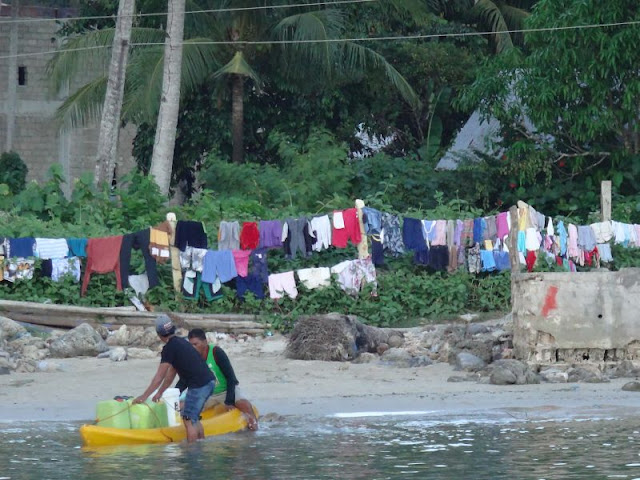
195	400
219	398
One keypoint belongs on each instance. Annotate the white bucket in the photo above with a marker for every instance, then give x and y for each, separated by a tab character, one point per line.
171	397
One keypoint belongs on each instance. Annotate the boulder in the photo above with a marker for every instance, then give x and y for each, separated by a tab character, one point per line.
482	349
366	357
103	331
10	330
512	372
586	375
631	387
118	354
395	341
476	328
34	352
80	341
140	353
469	362
625	369
554	375
398	357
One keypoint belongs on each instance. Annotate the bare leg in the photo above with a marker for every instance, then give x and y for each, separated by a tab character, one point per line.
245	407
192	432
200	430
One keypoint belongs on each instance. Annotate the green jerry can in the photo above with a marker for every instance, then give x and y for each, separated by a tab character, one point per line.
113	413
148	415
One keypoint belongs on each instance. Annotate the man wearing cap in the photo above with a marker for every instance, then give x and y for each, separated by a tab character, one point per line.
178	356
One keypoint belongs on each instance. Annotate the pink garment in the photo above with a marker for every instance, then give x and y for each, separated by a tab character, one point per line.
502	225
637	227
241	259
281	283
440	233
572	247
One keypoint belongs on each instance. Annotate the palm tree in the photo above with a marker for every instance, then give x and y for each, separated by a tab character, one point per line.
165	138
110	123
224	47
497	16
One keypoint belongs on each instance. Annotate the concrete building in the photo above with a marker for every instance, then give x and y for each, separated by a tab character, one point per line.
27	104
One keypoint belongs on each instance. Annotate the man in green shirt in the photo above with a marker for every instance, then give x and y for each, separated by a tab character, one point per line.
226	390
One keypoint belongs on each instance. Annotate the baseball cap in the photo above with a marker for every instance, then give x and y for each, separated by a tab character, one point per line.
164	325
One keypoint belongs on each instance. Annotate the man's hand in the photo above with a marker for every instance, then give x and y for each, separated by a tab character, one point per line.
139	400
228	408
157	397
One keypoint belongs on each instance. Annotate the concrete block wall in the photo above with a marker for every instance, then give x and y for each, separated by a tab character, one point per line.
37	138
577	317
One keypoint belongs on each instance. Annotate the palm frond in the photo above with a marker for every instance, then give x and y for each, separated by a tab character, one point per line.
361	58
84	106
489	15
143	85
238	66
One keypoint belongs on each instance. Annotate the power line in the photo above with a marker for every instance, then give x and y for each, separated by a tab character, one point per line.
164	14
357	39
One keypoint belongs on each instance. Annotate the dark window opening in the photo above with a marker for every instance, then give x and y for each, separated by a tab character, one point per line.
22	76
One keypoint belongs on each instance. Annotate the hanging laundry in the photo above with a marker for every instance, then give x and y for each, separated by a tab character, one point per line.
322	228
413	234
435	257
352	275
193	285
474	262
453	259
561	236
619	233
457	233
270	233
572	247
65	267
137	241
377	249
229	236
372	220
313	278
250	283
192	259
533	239
249	236
439	237
282	283
531	260
218	264
338	220
296	237
77	247
241	259
491	230
21	247
18	268
139	283
605	252
258	264
592	257
351	230
190	233
502	225
392	241
159	242
466	236
479	225
51	248
103	256
488	261
502	260
586	238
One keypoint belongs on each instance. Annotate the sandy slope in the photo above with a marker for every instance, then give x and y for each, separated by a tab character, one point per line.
283	386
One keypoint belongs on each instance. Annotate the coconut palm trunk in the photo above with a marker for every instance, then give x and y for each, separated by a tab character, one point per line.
112	107
165	139
237	117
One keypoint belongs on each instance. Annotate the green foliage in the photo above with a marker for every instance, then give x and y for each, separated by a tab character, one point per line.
13	172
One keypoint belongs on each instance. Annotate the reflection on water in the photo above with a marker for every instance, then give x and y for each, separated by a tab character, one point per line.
357	447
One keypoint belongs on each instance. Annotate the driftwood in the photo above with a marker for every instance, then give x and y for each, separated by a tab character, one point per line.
67	316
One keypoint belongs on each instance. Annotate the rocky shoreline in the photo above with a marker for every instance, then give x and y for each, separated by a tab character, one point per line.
481	352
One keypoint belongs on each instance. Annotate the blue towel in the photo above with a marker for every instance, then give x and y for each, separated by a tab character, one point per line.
22	247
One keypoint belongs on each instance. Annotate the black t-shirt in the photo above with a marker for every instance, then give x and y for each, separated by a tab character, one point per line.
191	368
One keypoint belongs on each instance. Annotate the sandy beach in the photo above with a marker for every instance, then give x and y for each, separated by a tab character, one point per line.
295	387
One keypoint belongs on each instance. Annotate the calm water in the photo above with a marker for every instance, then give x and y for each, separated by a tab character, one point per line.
369	447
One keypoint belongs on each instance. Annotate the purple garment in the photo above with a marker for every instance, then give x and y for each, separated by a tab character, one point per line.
502	225
458	232
270	233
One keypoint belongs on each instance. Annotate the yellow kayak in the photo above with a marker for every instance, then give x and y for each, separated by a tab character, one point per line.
216	421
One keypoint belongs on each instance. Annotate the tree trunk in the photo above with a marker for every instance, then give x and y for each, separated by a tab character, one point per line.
110	122
237	117
165	140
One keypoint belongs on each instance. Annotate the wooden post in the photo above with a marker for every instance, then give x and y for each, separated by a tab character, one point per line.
175	254
514	257
605	200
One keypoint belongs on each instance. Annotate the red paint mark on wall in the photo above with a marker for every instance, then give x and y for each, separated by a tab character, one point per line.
550	300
